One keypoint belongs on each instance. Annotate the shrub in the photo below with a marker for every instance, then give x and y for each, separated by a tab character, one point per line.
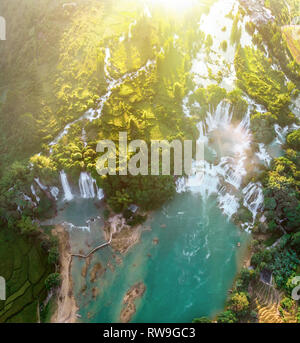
227	317
239	303
293	140
202	320
52	281
287	303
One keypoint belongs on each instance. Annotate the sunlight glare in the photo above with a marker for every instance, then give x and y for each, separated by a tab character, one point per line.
178	5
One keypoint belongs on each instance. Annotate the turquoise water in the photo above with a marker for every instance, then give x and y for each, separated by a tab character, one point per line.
187	274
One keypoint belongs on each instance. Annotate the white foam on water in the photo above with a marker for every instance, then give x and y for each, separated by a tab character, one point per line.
71	226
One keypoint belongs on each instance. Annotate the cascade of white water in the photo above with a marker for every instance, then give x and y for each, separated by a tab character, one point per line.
281	133
232	170
221	117
92	114
86	186
228	203
43	187
83	137
107	63
100	194
27	198
54	192
220	179
181	185
263	155
202	137
34	194
204	179
66	187
253	198
130	29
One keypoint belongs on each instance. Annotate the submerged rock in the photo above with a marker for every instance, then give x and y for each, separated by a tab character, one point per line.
135	292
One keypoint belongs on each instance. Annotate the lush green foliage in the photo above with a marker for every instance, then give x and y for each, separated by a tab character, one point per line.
24	265
227	317
53	280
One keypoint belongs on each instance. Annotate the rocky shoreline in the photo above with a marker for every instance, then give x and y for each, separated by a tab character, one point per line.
134	293
66	309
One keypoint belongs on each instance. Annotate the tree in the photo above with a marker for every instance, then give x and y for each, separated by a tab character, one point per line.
52	281
262	125
239	303
296	242
53	256
27	226
120	201
293	140
227	317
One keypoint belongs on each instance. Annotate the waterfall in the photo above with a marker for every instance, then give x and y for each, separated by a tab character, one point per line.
222	116
83	137
204	179
43	187
224	178
88	185
100	194
130	28
181	185
263	155
253	198
92	114
54	192
66	187
202	137
228	203
27	198
34	194
281	133
107	63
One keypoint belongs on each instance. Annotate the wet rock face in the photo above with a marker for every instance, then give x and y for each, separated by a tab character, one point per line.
258	12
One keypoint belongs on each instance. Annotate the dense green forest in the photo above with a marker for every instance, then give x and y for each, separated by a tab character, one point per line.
274	88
